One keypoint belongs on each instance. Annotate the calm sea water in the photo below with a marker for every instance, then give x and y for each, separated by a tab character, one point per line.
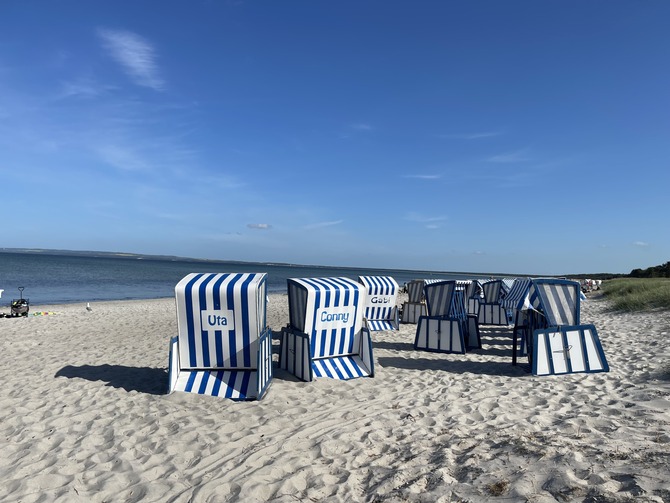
62	279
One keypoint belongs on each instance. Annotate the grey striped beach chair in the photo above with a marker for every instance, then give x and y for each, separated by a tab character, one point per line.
447	328
224	346
490	310
326	336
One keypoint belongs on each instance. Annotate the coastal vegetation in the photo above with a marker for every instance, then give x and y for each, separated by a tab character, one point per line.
638	294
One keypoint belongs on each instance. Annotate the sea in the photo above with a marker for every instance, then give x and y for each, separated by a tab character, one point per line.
48	279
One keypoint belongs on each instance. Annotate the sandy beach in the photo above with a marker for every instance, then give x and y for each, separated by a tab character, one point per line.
84	417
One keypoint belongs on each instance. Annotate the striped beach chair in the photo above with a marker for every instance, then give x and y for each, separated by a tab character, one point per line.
224	347
326	336
415	307
447	328
381	310
559	343
517	302
490	310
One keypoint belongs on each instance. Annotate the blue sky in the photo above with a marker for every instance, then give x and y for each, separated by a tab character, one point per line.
485	136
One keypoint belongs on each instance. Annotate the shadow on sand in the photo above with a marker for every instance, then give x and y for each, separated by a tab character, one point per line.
457	366
152	381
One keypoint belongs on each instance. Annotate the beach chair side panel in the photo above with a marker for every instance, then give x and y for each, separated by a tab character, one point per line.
295	354
264	365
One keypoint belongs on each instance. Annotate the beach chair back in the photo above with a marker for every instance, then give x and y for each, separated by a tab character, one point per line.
558	301
439	298
329	311
492	290
381	300
415	291
517	297
220	317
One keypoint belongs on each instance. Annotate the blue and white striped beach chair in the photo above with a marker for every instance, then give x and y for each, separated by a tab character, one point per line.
224	347
517	302
447	328
325	336
381	311
559	344
490	310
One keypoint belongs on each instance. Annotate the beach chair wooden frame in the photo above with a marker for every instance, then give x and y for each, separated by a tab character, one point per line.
224	346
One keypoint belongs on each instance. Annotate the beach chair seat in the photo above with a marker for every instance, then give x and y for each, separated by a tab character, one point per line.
381	310
447	328
224	346
326	336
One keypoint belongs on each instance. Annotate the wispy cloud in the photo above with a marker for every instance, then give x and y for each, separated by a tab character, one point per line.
262	227
511	157
135	54
424	177
641	244
320	225
469	136
417	217
361	127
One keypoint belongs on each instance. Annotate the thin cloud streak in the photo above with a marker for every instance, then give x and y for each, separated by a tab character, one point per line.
424	177
261	227
135	55
471	136
511	157
321	225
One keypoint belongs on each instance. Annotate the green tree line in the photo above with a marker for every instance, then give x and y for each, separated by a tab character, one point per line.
658	271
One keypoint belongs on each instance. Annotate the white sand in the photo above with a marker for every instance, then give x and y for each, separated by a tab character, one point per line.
84	417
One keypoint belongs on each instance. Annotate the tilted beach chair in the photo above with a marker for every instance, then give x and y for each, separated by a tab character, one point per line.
224	346
326	336
559	344
490	310
447	328
381	310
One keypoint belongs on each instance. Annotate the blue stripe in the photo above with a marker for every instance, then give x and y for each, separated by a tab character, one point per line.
203	383
190	381
204	339
217	383
218	334
246	335
230	297
190	324
231	384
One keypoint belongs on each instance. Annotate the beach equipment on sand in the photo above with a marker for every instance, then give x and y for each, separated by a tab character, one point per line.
490	310
558	343
224	346
381	311
447	328
326	336
21	306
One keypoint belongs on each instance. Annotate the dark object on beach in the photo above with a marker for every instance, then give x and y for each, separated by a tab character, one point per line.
20	307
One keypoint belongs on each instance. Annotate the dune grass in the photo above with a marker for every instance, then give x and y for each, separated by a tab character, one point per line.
637	294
